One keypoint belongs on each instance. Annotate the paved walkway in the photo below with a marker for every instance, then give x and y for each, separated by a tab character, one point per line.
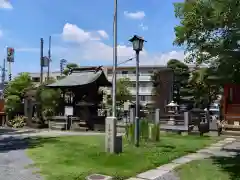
226	148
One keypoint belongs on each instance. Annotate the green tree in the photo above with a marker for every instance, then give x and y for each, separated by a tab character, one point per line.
69	66
203	91
14	93
181	77
209	29
157	83
123	93
48	99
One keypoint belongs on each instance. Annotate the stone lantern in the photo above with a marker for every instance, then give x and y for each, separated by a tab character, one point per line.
172	109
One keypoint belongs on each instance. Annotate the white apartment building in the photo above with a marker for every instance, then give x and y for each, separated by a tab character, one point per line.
145	83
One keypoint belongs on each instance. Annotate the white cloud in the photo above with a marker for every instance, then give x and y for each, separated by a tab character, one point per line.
135	15
103	34
73	33
88	49
1	33
5	4
143	27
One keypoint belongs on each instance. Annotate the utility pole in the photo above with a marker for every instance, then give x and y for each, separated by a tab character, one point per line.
41	60
114	60
4	71
49	58
10	60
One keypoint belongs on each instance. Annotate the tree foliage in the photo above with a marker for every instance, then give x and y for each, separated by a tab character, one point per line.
14	92
48	98
156	83
204	92
123	92
69	66
209	29
181	77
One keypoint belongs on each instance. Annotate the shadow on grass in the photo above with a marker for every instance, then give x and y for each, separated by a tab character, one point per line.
21	143
231	164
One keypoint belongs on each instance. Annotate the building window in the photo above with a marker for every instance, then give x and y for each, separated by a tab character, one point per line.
142	98
36	79
124	72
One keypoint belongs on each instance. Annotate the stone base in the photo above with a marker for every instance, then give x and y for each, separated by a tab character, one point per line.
118	144
98	177
184	133
171	122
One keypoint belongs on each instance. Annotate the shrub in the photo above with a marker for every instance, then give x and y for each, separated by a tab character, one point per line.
129	129
156	132
144	129
18	121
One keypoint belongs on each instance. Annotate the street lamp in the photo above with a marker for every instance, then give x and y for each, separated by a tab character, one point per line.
137	43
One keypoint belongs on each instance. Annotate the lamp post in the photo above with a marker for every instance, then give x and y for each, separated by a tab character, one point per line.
137	43
114	82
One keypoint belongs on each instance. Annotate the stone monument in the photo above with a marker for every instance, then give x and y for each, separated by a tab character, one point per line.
113	143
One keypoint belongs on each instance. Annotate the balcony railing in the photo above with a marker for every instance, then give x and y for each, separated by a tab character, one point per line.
132	77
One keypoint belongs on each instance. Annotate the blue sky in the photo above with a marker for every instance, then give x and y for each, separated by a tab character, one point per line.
82	32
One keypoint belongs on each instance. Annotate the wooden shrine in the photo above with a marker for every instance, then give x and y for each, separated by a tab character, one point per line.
80	94
231	105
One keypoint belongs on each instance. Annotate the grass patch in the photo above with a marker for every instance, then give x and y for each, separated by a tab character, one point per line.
75	157
217	168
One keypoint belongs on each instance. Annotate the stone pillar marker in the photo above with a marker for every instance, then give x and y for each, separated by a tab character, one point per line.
113	143
186	119
157	116
132	115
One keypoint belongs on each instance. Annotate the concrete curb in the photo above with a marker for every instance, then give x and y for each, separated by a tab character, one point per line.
161	172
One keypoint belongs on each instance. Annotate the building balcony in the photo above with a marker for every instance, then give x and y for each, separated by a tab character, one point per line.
132	77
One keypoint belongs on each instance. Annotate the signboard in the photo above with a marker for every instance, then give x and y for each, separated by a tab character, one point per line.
126	106
68	111
45	61
10	54
236	123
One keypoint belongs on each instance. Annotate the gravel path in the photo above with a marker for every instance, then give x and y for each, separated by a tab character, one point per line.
13	160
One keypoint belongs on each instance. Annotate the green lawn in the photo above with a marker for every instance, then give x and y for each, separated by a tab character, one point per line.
75	157
219	168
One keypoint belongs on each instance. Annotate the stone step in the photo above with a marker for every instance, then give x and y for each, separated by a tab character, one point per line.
231	133
54	127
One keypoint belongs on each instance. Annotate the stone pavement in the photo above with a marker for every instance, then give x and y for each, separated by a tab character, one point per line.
166	172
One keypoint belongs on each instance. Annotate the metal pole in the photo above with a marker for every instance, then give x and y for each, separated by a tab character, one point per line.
49	57
61	67
137	126
9	71
4	71
41	60
114	60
